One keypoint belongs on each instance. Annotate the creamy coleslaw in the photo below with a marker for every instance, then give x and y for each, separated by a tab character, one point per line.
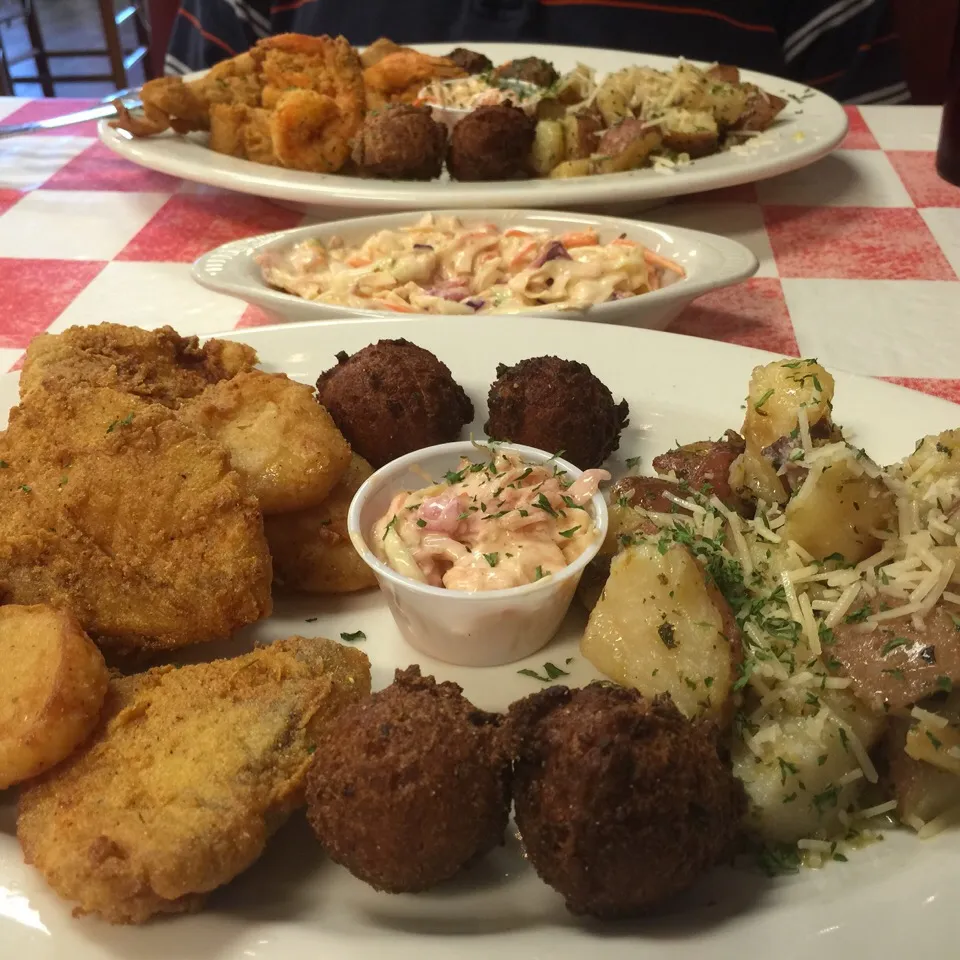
489	525
441	265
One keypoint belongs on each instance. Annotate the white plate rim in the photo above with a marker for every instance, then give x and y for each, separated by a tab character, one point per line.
822	122
862	908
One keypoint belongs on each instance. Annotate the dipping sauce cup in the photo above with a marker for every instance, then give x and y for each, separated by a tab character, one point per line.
475	629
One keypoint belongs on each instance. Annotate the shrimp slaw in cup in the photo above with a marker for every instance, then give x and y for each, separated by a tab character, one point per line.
494	577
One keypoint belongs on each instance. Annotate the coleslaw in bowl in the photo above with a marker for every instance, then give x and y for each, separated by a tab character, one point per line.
605	270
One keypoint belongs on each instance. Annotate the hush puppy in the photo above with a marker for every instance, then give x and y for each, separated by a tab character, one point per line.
410	786
492	143
402	142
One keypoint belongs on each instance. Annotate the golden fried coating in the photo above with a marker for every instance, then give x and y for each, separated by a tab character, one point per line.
291	100
311	549
168	103
280	440
157	365
235	81
241	131
378	50
309	131
52	687
123	514
400	76
188	775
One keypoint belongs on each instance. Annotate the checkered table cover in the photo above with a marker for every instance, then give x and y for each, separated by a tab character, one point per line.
859	253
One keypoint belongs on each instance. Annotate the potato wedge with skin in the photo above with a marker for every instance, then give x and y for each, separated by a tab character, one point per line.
723	73
693	132
549	147
660	628
52	687
284	444
612	103
835	511
311	549
921	789
582	133
760	110
777	391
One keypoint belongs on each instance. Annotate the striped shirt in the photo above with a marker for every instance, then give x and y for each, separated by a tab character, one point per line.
847	48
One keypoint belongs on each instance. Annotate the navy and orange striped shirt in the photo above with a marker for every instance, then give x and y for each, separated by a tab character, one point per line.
847	48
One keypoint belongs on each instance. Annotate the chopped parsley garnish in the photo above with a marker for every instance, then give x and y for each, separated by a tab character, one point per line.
453	478
945	684
708	682
821	760
937	744
896	673
464	515
956	621
492	558
858	616
633	462
762	401
125	422
544	504
840	858
497	516
692	684
778	858
790	798
551	671
524	513
568	501
390	526
421	523
813	700
538	574
892	645
4	464
844	738
569	533
25	487
786	769
311	620
827	637
828	798
351	637
666	632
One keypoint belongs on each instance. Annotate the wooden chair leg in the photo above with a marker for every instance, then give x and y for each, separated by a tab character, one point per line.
40	51
144	39
6	81
111	33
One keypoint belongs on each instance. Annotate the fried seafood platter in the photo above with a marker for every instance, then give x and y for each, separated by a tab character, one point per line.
316	104
208	708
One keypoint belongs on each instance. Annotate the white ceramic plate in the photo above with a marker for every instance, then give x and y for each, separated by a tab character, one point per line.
810	126
710	262
892	899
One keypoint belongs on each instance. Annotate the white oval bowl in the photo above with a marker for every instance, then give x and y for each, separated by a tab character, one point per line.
484	629
710	262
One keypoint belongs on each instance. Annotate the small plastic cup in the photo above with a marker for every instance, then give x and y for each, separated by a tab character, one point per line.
471	629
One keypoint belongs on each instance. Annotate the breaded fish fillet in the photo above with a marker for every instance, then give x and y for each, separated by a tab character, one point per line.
117	511
157	365
189	774
284	444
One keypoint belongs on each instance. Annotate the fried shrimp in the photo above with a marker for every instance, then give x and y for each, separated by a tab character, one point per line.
310	132
400	76
168	103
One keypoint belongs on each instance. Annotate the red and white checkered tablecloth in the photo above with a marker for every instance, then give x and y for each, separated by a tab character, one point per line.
859	253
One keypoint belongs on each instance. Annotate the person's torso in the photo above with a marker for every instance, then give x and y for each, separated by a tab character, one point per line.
739	28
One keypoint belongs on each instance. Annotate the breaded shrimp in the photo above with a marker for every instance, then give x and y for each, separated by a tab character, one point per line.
400	76
310	132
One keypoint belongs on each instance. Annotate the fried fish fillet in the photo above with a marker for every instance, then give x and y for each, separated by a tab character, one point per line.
189	774
280	439
52	687
311	549
157	365
116	510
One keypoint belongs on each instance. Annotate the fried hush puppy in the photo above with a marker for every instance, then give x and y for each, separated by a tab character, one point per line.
410	786
556	405
621	802
540	73
492	143
392	398
470	61
402	142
